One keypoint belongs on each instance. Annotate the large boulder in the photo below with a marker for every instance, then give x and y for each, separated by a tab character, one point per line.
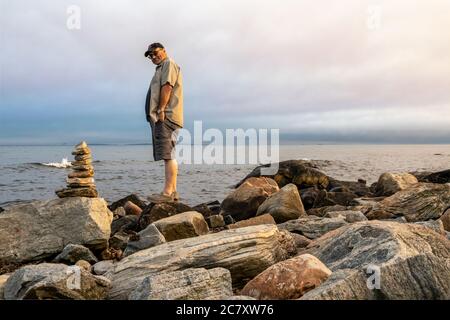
389	183
420	202
383	260
302	173
55	281
245	252
433	177
244	201
283	205
41	229
188	284
289	279
147	238
313	227
184	225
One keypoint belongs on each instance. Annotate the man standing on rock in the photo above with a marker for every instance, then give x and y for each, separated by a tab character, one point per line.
164	111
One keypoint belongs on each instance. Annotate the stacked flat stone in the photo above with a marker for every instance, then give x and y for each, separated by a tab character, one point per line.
80	182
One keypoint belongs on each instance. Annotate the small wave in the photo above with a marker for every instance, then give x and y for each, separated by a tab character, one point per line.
63	164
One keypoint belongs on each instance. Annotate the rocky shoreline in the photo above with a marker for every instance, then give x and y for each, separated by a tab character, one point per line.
298	234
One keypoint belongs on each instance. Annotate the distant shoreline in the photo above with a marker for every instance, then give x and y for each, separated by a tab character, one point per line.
205	144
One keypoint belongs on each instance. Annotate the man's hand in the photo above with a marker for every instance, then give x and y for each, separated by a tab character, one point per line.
161	116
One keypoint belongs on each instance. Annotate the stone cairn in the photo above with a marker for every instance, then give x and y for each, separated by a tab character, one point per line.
80	182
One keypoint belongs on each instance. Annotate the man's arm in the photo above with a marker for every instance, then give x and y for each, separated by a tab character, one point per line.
164	97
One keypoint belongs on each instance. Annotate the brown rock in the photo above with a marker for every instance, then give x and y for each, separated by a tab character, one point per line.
83	157
389	183
81	174
81	151
111	254
87	162
82	168
262	219
215	221
87	192
184	225
283	205
420	202
83	264
289	279
243	202
132	209
80	181
3	279
379	214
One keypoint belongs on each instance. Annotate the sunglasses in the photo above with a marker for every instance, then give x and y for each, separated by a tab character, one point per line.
153	53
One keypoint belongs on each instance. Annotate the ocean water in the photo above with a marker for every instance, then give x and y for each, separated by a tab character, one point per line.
35	172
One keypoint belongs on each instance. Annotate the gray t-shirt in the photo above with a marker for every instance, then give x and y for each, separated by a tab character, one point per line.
166	72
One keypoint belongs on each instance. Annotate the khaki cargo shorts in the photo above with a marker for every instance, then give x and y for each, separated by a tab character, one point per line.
164	139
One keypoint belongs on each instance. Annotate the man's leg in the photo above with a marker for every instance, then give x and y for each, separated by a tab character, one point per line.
171	171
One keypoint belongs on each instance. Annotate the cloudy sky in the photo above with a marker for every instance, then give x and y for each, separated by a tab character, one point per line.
320	71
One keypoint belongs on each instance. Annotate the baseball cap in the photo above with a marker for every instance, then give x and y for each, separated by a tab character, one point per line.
152	47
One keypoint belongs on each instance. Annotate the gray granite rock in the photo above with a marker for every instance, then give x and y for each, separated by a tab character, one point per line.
147	238
188	284
312	227
245	252
383	260
41	229
54	281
